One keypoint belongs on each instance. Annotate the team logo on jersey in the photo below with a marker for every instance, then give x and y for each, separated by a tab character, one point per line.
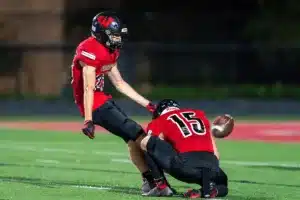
88	55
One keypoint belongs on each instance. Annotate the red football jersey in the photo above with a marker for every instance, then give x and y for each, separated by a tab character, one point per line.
92	53
186	129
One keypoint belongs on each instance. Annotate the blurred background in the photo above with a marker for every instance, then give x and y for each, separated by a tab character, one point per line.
240	57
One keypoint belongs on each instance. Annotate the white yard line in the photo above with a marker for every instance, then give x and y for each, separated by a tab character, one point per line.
17	147
266	164
51	142
63	150
91	187
121	160
239	163
47	161
125	154
110	153
60	150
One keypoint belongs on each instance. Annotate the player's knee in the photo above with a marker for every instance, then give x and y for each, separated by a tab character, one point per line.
132	130
144	143
222	190
137	156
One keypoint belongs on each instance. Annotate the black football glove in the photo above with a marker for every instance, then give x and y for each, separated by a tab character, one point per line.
89	129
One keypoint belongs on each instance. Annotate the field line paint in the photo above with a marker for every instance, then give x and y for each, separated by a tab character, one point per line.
60	150
49	142
125	160
91	187
17	147
47	161
266	164
239	163
121	160
110	153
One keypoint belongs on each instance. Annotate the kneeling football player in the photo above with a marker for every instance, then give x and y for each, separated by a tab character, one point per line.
180	143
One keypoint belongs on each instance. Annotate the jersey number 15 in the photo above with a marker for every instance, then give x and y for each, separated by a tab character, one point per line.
188	124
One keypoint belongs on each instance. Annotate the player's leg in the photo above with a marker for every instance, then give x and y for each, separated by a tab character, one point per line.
158	173
199	168
154	167
113	119
217	187
182	167
138	159
221	181
137	156
160	154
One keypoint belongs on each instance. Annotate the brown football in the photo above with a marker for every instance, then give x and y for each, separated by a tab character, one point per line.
222	126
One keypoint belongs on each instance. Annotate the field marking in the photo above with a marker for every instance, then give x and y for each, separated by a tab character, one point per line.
264	164
121	160
111	153
91	187
60	150
125	160
56	142
239	163
47	161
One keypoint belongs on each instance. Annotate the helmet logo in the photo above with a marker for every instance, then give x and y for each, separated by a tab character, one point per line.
114	25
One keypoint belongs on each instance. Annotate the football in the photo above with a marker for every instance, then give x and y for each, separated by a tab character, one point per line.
222	126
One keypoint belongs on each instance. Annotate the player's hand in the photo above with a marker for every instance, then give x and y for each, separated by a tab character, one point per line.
151	107
89	129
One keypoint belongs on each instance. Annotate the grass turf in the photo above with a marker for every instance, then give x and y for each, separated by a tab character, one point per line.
63	165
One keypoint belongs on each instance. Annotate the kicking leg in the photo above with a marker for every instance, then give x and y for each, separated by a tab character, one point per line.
138	159
113	119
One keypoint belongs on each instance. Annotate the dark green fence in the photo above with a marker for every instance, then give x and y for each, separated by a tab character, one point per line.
190	71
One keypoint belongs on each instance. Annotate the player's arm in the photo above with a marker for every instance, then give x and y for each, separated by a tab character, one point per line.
153	130
89	78
122	86
216	152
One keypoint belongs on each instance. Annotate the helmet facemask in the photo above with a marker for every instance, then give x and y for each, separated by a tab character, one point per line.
114	40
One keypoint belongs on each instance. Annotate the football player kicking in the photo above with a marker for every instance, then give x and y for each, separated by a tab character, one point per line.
180	143
96	57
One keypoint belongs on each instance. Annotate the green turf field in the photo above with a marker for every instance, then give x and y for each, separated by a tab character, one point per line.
66	166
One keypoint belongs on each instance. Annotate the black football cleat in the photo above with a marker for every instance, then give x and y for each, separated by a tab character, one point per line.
213	191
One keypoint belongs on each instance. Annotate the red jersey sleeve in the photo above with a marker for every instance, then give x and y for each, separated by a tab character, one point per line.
88	55
153	129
